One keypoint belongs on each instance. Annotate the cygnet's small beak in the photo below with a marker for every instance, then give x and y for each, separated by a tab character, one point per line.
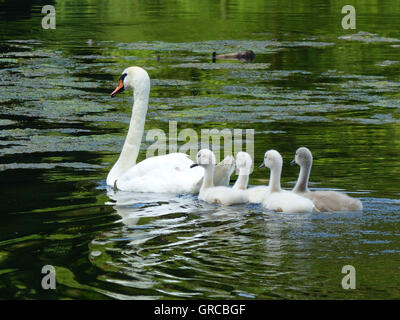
118	89
262	165
293	162
194	165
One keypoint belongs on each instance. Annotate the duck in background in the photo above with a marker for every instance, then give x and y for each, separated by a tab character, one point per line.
247	55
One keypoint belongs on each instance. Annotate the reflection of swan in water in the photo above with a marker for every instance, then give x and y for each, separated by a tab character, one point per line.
132	206
161	232
170	173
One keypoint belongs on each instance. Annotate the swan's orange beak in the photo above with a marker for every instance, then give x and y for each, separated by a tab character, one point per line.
118	89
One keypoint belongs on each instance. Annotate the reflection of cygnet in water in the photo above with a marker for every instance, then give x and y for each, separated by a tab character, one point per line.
278	199
208	192
323	200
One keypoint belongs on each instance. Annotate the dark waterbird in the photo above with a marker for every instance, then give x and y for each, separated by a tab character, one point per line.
247	55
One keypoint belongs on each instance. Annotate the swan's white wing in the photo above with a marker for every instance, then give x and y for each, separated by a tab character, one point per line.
169	173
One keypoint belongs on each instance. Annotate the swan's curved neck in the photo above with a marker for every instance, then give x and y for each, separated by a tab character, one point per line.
208	181
275	179
302	181
243	179
131	147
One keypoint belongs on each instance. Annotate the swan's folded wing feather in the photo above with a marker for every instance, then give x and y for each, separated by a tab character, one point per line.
168	173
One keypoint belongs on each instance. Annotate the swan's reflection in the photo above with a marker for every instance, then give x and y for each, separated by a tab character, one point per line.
179	238
132	206
169	213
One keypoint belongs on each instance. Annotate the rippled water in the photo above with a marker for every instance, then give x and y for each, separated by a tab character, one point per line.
331	90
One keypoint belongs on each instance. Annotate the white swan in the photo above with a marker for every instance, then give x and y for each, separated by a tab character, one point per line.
169	173
278	199
254	194
208	192
323	200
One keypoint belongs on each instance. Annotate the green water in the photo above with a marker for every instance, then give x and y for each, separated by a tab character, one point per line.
312	84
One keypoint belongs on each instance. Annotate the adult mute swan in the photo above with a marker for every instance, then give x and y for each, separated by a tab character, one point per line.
323	200
168	173
254	194
208	192
278	199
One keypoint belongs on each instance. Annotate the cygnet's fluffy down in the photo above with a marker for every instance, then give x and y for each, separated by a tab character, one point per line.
208	192
281	200
244	164
323	200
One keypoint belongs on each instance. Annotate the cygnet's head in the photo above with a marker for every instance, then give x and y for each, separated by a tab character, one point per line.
303	157
243	162
204	158
133	78
272	159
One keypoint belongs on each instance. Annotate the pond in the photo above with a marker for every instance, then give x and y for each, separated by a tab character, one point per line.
312	83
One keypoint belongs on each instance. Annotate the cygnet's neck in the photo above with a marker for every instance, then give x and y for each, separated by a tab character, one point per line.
302	182
208	181
243	179
275	178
